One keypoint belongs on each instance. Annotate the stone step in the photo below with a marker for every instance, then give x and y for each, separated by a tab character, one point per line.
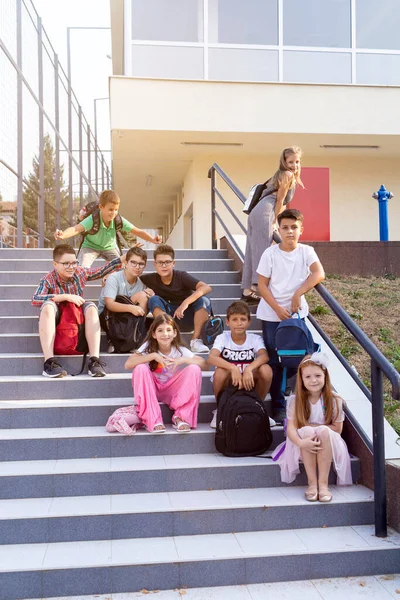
39	268
23	307
86	442
41	520
33	277
21	292
113	566
141	474
114	385
30	324
79	412
28	343
33	254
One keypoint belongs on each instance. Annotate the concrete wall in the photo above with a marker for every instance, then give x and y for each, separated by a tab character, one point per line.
354	213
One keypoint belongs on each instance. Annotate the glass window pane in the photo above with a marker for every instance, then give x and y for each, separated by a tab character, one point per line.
378	24
316	67
317	23
243	21
167	20
378	69
234	64
173	62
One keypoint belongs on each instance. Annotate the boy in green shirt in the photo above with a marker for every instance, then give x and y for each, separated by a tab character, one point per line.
104	242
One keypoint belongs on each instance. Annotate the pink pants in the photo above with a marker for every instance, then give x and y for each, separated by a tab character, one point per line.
181	393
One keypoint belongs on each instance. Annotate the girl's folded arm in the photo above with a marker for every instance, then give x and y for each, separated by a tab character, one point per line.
292	433
337	426
139	359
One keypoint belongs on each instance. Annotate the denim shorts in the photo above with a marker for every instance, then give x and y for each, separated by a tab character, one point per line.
85	306
187	322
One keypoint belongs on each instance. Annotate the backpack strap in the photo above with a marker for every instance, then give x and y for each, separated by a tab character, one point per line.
94	229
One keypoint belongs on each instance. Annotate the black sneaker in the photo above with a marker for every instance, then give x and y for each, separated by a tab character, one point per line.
52	368
95	368
280	416
251	299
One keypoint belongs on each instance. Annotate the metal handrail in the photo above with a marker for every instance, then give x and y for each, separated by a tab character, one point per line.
379	363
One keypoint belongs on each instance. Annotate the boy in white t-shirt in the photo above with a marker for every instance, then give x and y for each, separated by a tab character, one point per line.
286	271
239	357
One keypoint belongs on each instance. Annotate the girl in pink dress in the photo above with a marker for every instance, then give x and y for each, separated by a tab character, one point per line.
314	423
164	370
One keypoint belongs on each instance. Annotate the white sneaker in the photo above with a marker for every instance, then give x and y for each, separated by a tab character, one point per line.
272	423
213	423
198	346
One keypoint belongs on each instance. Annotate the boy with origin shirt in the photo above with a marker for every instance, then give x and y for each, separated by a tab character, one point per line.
104	242
286	271
240	357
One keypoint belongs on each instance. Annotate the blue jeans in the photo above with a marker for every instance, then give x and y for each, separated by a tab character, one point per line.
277	396
185	324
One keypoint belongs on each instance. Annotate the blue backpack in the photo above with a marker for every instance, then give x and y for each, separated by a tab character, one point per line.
293	340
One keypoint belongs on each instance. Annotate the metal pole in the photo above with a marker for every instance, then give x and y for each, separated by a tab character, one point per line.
102	173
80	159
96	168
89	157
214	244
57	141
108	178
41	136
378	437
70	199
95	119
20	198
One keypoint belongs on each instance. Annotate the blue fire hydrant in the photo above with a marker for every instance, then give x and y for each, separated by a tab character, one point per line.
382	195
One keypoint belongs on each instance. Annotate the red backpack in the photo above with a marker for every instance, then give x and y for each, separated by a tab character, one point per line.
70	331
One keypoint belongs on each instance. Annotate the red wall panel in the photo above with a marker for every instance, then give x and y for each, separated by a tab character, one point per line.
313	202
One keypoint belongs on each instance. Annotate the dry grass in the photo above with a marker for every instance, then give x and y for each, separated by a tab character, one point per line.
374	304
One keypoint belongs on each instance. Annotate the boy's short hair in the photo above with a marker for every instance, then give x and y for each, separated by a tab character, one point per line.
135	251
291	213
164	249
62	249
238	308
109	197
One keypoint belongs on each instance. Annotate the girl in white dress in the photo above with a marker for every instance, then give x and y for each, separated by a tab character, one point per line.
314	423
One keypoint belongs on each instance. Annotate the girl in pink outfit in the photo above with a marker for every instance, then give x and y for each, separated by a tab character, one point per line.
164	370
315	421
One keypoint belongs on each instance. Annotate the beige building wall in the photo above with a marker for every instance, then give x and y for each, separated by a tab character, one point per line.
354	213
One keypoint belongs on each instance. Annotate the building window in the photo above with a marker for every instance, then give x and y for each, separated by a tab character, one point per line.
378	69
378	24
236	64
316	67
243	22
317	23
170	62
167	20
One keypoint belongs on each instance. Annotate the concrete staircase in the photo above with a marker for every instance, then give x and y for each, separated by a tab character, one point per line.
87	512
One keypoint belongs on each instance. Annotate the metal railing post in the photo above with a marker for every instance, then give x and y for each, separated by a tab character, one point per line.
214	244
20	197
41	212
89	158
80	159
57	141
102	174
70	198
96	167
378	437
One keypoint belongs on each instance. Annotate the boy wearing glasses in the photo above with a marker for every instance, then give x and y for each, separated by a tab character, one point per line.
127	283
178	294
65	283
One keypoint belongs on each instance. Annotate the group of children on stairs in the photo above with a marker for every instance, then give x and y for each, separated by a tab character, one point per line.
165	370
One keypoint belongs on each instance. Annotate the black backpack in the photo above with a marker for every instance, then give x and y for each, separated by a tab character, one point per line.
124	330
213	327
293	340
242	424
254	197
92	208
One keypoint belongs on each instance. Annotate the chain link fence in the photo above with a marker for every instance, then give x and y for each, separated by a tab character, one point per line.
50	162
